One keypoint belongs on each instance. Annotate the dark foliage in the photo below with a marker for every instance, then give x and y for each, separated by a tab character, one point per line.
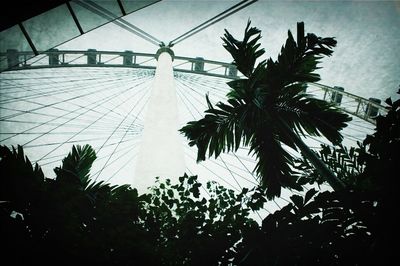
72	220
323	230
343	161
269	107
381	150
192	229
353	227
66	220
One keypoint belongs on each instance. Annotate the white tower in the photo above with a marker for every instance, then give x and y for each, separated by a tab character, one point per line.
161	152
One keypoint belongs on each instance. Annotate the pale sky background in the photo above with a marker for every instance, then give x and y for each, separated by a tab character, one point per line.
365	61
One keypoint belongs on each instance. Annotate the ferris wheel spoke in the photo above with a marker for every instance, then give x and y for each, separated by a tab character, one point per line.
52	104
211	171
220	92
230	172
254	180
191	89
97	89
127	115
185	96
88	109
128	162
228	167
56	158
136	82
86	140
179	93
65	87
86	127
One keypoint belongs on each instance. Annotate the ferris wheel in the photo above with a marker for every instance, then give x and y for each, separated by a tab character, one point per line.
128	106
100	98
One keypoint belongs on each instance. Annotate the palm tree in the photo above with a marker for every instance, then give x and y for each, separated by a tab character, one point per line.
70	217
269	107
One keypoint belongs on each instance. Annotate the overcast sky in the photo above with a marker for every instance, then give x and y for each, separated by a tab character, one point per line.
365	62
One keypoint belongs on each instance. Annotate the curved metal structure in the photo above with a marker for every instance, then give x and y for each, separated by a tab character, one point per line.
15	60
66	20
366	109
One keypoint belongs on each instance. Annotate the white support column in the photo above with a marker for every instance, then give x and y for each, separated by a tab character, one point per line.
161	151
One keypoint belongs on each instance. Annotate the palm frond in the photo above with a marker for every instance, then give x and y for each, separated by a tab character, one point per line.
340	159
218	131
18	164
274	165
269	107
21	183
245	52
315	117
77	164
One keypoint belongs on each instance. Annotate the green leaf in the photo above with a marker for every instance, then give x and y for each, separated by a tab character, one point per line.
298	201
310	193
245	52
170	193
77	163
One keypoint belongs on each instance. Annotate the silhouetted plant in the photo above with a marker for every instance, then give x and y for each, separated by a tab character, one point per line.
196	227
312	230
350	227
269	108
68	219
72	219
361	167
381	149
343	161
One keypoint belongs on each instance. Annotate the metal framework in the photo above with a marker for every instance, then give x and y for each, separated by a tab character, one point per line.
78	17
366	109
